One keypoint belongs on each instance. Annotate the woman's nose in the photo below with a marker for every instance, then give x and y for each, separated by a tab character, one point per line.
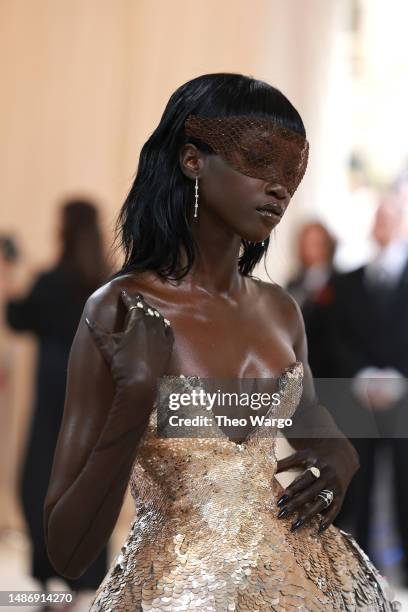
278	191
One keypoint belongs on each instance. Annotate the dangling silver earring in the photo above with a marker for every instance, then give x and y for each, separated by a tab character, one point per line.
196	198
263	243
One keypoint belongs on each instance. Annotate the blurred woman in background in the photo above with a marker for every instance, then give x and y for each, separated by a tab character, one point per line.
316	248
51	311
312	289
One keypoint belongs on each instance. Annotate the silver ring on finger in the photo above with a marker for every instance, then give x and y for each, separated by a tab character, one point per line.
327	496
137	305
315	471
166	322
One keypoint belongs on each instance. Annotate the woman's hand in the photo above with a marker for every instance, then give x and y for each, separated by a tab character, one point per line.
140	354
333	474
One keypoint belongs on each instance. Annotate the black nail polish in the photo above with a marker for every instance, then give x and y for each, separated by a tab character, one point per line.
283	512
322	527
282	500
296	525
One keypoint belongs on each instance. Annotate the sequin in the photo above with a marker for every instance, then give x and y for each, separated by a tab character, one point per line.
205	534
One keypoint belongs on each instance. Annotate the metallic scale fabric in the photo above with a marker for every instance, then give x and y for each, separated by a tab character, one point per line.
205	534
260	148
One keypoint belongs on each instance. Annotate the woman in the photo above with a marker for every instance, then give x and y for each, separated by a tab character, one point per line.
316	250
213	529
312	289
51	311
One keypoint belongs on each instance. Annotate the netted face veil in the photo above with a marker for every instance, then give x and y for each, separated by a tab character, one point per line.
257	147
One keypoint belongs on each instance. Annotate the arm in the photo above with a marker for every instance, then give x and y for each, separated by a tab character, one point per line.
319	442
106	410
28	313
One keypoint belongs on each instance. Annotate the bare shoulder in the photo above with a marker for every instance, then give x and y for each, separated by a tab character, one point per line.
282	304
105	305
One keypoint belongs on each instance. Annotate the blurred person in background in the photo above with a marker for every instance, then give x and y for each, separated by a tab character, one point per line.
370	327
311	288
354	239
9	253
316	248
51	311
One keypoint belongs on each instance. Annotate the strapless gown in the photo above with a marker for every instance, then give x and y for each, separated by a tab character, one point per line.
205	534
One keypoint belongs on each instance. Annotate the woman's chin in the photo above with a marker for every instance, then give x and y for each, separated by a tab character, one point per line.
256	239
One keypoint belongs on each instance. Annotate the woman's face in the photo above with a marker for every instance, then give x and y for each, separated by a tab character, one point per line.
250	207
315	246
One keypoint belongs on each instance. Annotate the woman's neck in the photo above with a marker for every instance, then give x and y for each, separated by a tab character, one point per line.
215	268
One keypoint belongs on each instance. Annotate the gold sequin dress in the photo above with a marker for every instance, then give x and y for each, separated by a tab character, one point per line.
205	534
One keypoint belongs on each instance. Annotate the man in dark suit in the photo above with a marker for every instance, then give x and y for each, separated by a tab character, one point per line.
369	338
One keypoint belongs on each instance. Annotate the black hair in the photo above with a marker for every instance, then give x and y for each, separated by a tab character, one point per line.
153	224
82	255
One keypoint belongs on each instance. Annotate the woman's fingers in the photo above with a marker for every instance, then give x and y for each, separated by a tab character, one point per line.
307	504
137	307
308	513
303	496
303	481
301	490
105	341
330	514
300	458
307	477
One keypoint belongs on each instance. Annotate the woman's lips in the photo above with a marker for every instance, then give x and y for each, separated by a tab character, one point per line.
269	216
